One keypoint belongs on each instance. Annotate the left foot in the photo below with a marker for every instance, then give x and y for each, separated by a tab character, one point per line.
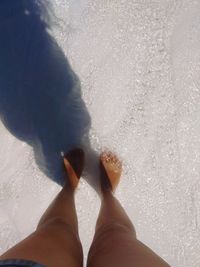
74	163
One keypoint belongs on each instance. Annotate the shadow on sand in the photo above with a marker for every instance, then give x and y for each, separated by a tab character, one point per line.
40	95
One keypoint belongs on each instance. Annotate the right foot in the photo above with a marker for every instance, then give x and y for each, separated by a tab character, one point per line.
111	169
74	163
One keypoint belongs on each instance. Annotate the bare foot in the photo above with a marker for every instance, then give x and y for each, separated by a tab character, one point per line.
111	169
74	163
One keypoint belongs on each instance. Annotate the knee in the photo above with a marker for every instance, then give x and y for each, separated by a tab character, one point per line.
57	222
61	231
109	237
114	229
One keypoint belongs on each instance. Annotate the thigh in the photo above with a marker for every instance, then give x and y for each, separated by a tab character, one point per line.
117	246
52	246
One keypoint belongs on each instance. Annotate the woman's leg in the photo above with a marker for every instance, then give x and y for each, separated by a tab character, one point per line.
55	241
115	243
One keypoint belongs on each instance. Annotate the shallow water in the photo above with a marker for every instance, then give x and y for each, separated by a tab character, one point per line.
138	63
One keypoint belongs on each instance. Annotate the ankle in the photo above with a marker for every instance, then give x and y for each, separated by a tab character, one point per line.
106	193
68	188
